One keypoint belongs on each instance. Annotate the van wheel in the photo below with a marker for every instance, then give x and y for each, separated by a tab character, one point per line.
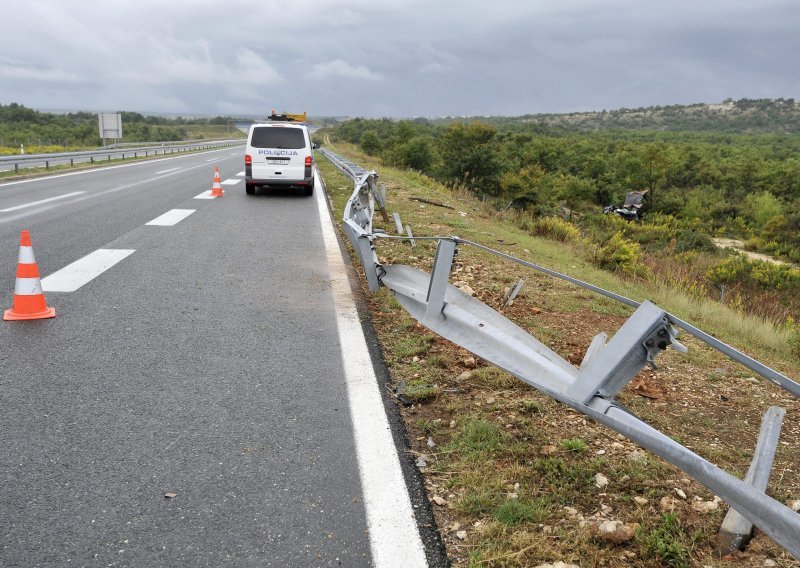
249	188
310	189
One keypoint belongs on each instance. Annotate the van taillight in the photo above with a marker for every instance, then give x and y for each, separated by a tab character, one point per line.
308	161
248	161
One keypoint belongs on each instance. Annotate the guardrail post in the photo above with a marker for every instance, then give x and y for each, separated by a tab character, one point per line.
16	168
440	275
91	159
736	530
72	162
410	236
645	334
47	164
109	157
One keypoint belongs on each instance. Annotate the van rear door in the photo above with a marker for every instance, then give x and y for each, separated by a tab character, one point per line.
279	152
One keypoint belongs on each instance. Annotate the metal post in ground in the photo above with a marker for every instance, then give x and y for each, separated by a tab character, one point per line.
736	530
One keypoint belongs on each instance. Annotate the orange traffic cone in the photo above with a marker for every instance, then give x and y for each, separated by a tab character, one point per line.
29	302
216	188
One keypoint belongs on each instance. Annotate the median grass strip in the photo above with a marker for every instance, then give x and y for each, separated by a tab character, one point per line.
518	479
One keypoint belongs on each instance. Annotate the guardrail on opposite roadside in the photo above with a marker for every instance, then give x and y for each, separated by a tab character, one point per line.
92	156
608	366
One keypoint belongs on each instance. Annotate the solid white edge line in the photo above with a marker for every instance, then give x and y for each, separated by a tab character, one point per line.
394	538
231	181
84	270
35	203
171	217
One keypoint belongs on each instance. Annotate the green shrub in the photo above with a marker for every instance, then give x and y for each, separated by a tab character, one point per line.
738	269
556	229
370	143
620	255
692	240
416	154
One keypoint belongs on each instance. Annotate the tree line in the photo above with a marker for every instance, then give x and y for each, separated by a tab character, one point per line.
22	125
700	185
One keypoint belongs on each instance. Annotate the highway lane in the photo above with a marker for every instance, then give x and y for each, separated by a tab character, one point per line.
206	364
100	205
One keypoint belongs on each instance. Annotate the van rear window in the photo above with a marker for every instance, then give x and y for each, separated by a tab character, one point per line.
272	137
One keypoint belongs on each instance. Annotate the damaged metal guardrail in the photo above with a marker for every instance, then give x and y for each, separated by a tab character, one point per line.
608	366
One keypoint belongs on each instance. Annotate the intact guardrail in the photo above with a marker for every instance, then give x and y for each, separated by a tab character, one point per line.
107	154
608	366
154	144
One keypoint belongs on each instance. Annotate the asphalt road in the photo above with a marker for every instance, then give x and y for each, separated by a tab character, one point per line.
8	163
206	364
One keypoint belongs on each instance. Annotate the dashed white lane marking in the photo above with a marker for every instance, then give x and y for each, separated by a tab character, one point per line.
167	171
393	535
84	270
231	181
35	203
205	195
211	160
172	217
241	174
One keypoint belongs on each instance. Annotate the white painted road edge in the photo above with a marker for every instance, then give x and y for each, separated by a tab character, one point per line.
84	270
393	534
171	217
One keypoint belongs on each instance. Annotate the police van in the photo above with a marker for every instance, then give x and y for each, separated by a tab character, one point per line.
278	153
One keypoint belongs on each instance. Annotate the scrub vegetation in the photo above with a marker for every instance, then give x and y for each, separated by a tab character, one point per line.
515	478
732	180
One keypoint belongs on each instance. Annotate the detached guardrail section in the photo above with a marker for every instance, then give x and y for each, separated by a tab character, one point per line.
92	156
608	366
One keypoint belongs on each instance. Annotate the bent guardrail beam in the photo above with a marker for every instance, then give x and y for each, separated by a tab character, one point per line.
590	389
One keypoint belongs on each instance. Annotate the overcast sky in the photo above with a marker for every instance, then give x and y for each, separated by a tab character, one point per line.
394	58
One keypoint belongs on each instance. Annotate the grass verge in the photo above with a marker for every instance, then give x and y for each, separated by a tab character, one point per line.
518	479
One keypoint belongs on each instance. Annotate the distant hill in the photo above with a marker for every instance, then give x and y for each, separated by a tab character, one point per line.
742	116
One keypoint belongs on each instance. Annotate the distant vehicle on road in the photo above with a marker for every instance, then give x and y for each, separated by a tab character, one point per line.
278	154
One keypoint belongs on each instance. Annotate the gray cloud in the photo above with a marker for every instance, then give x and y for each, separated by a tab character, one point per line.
398	58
